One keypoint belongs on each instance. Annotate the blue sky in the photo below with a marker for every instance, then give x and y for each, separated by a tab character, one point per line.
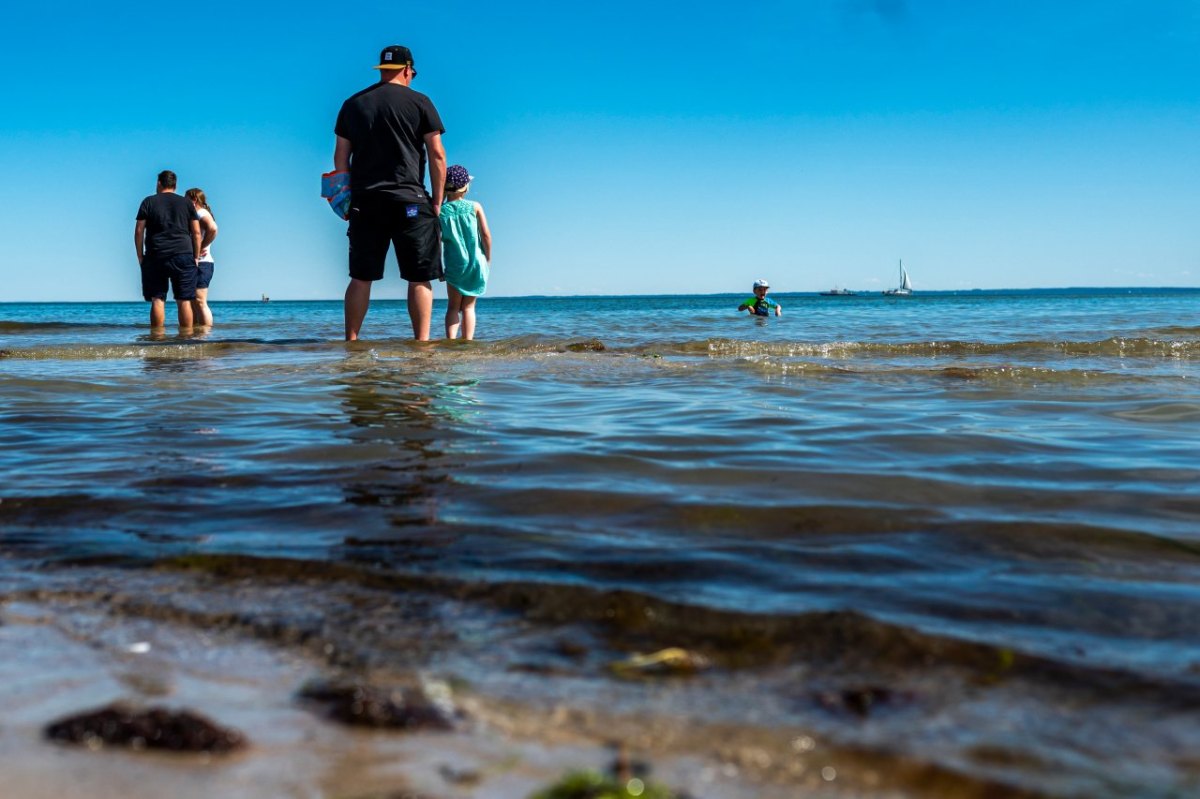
626	148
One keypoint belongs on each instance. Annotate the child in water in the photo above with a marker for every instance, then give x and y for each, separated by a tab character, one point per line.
760	304
466	252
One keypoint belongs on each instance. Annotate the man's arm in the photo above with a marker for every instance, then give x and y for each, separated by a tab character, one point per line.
437	168
197	237
341	154
139	237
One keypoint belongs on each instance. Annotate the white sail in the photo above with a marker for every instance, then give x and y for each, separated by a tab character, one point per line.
905	287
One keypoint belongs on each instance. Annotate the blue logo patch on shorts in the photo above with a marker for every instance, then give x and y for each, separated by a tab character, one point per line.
411	211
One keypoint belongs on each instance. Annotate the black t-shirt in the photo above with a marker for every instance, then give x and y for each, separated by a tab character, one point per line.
168	219
386	125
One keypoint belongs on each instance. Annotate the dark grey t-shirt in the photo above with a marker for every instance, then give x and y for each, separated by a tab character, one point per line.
168	218
386	125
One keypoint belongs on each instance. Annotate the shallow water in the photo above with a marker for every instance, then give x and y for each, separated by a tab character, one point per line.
1017	471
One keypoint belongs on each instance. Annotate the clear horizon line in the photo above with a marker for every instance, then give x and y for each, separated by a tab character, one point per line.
857	292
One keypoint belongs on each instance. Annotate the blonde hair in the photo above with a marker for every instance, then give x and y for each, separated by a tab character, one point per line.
197	196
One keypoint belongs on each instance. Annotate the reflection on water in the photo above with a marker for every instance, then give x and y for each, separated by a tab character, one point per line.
175	335
399	433
153	364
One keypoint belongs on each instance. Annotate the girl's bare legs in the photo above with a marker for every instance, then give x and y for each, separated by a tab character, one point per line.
200	308
468	317
454	301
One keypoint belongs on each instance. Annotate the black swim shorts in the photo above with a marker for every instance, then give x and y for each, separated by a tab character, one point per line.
178	271
410	227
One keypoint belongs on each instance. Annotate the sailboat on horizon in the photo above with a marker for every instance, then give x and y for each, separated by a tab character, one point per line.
905	288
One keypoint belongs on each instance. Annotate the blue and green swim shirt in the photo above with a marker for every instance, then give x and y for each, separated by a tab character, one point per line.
762	307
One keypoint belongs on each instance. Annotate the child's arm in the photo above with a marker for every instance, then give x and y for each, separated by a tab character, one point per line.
485	233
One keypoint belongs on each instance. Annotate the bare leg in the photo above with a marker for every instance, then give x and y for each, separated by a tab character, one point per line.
453	303
200	308
420	308
358	298
468	313
158	314
185	314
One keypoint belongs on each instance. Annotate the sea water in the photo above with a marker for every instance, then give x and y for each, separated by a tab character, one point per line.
1017	472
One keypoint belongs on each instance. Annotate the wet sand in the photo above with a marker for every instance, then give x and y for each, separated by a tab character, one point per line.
112	636
239	639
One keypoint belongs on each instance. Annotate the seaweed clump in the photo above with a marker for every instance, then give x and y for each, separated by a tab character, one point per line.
591	345
670	661
863	701
594	785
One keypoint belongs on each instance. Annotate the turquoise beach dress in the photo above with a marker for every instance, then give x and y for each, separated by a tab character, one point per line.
466	267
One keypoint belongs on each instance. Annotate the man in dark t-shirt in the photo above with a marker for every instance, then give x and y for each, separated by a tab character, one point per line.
167	239
385	136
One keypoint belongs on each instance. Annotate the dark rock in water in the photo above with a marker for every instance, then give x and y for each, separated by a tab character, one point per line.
624	766
862	700
368	706
456	776
593	345
546	669
152	728
570	649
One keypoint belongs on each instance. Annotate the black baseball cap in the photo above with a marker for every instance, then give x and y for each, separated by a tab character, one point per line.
395	57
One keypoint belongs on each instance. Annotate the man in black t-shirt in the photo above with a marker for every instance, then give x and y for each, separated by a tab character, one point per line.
384	136
167	239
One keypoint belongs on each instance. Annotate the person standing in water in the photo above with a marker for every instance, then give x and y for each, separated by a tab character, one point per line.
383	135
208	230
167	239
466	252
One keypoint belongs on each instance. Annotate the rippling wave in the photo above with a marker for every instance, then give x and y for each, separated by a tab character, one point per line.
1113	347
524	346
40	326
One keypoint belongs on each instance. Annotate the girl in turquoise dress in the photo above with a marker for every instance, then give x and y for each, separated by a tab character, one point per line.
466	252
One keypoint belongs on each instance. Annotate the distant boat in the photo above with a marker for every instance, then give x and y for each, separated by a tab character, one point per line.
837	292
266	298
905	289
